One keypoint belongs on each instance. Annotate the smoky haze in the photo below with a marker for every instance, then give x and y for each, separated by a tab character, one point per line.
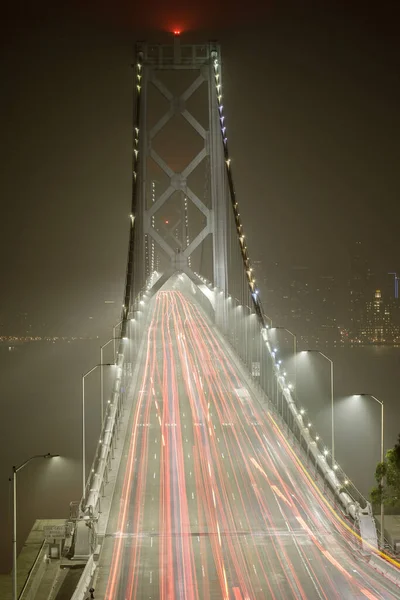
313	124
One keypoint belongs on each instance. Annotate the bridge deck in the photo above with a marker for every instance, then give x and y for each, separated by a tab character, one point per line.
210	501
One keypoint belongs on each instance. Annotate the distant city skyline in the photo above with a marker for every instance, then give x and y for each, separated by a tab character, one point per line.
332	306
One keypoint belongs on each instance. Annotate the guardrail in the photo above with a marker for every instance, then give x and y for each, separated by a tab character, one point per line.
84	581
252	345
105	446
31	572
101	465
385	568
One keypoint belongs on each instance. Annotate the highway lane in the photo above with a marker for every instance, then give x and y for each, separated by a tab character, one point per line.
212	502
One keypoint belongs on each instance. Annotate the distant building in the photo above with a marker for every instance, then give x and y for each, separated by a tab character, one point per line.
360	287
377	325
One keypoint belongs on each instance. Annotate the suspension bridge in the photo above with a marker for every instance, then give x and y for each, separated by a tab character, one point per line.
207	481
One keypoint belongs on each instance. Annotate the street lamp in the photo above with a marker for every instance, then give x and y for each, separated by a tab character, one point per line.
332	407
102	377
83	424
294	350
269	319
382	478
115	338
14	540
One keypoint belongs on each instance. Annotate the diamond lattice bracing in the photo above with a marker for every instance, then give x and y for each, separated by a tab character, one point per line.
177	82
177	143
197	105
199	181
179	221
156	106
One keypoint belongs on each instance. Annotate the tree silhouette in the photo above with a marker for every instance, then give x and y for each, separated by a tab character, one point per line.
389	470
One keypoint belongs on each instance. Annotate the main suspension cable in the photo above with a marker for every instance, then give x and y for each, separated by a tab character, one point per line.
254	292
126	307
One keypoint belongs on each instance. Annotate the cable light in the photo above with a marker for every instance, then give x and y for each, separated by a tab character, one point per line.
243	248
135	163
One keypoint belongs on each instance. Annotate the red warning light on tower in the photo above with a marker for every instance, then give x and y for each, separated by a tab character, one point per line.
166	222
177	32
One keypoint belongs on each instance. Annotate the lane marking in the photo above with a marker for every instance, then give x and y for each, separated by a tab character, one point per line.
325	501
219	535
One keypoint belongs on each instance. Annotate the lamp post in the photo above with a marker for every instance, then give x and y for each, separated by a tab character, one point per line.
14	539
238	326
114	337
271	387
102	378
294	350
332	406
83	423
382	478
269	319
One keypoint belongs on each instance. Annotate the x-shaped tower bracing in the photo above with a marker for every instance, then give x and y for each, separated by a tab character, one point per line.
189	58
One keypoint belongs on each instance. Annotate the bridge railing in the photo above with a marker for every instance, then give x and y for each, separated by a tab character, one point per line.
98	475
252	345
101	465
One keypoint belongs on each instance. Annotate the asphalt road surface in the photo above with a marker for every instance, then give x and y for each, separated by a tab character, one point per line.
211	502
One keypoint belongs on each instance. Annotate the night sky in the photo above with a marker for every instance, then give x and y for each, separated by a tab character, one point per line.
312	102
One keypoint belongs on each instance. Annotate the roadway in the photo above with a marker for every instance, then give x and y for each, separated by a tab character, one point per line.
211	502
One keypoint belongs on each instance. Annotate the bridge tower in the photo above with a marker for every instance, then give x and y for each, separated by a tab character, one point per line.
159	67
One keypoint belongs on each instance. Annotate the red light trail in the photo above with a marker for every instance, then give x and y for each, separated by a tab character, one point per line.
213	504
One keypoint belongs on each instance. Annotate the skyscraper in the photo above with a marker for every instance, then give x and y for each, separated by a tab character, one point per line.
378	327
360	287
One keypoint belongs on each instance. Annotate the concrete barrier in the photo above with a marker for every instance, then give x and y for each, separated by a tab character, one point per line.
84	582
91	504
85	540
385	568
